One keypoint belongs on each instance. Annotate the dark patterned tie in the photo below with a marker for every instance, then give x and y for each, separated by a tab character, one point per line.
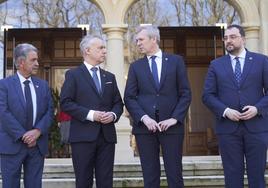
155	72
96	79
29	105
237	71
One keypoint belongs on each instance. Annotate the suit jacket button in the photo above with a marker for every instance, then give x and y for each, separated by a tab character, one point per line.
154	107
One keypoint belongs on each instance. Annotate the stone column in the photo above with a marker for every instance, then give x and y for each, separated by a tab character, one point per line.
115	52
264	25
252	37
115	64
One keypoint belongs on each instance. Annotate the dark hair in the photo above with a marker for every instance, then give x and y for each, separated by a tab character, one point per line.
240	28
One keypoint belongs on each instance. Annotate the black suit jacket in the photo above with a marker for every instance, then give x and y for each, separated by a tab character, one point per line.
172	99
79	95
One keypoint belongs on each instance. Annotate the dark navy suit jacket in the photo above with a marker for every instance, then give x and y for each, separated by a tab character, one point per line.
172	99
221	91
13	116
79	95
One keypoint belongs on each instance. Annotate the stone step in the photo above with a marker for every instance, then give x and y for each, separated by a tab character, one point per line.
62	168
189	182
198	172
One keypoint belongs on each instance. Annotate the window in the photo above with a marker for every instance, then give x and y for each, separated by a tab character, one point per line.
66	48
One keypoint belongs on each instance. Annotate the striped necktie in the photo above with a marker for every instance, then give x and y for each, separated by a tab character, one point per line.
237	71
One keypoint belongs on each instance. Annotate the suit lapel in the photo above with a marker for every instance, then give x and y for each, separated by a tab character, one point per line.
88	78
147	71
17	87
103	80
165	60
228	68
247	67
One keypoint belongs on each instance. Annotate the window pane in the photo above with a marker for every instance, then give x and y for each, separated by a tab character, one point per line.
59	53
59	44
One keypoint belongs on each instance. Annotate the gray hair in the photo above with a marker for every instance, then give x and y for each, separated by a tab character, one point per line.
86	42
21	51
152	31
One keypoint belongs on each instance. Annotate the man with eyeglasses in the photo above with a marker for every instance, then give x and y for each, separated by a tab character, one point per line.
236	90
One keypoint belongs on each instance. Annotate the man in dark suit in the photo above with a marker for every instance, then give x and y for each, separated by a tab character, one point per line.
157	96
26	113
235	91
91	96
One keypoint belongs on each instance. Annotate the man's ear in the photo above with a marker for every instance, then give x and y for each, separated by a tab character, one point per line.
87	51
154	39
20	62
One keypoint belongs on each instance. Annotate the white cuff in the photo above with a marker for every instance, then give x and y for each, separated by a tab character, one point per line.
90	115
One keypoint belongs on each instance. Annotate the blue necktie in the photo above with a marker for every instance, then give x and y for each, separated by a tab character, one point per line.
237	71
29	105
96	79
155	72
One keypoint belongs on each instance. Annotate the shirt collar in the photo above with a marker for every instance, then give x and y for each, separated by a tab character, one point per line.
157	54
89	66
241	55
22	79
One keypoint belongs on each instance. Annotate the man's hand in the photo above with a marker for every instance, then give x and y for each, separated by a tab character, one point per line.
32	144
107	117
164	125
151	124
98	115
233	115
30	137
248	112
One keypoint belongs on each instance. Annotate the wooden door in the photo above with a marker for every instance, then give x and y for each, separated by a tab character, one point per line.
198	46
58	50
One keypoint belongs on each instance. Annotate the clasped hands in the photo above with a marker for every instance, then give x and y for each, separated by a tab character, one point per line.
248	113
103	117
153	126
30	137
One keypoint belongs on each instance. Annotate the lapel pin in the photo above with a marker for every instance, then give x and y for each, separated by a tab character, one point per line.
166	58
250	58
37	86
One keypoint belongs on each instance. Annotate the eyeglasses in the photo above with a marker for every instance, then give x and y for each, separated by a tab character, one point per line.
231	37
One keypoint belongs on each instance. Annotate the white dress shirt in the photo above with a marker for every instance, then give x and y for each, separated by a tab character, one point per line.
33	93
242	57
158	60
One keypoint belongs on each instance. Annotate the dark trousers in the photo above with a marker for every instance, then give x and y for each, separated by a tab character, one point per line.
236	147
93	156
149	148
32	162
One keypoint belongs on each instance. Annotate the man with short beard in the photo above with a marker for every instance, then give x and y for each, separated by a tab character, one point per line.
235	91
